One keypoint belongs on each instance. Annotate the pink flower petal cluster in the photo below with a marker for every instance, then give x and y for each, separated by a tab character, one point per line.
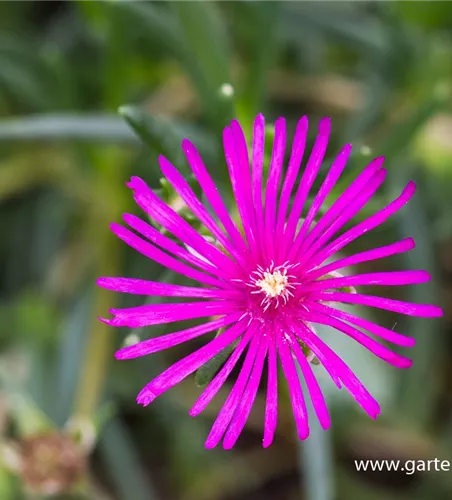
269	284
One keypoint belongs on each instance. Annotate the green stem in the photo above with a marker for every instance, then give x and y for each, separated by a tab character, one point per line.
107	208
315	456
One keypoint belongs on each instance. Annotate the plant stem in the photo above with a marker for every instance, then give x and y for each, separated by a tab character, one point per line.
315	456
106	247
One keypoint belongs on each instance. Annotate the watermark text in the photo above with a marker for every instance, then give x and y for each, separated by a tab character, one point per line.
407	466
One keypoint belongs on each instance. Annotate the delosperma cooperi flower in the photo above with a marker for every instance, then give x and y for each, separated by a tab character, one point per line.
268	286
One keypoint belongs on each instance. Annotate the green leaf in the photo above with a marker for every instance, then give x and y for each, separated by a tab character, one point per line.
123	464
196	36
152	24
25	75
342	21
261	22
208	371
157	133
70	357
86	127
207	57
165	137
161	135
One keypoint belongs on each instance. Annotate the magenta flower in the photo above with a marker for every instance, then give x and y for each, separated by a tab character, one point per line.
267	288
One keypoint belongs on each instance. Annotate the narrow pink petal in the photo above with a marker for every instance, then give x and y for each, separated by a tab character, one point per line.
370	344
392	278
257	169
157	314
408	308
293	381
309	175
212	195
172	339
220	378
156	289
328	184
295	327
174	223
274	176
317	398
244	170
186	193
227	411
156	237
379	331
368	255
240	182
346	215
162	258
363	227
344	200
298	148
271	405
244	409
326	355
180	370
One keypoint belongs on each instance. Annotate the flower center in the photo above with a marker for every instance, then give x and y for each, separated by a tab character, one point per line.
273	284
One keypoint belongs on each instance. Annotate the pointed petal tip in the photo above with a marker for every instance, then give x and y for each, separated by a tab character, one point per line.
227	135
411	188
375	414
235	124
187	145
128	217
325	423
101	282
424	276
210	444
134	182
437	312
123	353
430	311
411	243
194	411
409	342
163	162
378	161
228	444
260	119
145	397
374	410
325	125
303	434
104	320
407	363
267	442
280	122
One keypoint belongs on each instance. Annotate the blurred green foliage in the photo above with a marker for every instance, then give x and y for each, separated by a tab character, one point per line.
90	94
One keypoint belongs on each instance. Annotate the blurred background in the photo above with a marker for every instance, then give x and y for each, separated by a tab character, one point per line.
90	94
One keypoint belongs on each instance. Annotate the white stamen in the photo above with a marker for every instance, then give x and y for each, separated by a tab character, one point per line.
273	283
